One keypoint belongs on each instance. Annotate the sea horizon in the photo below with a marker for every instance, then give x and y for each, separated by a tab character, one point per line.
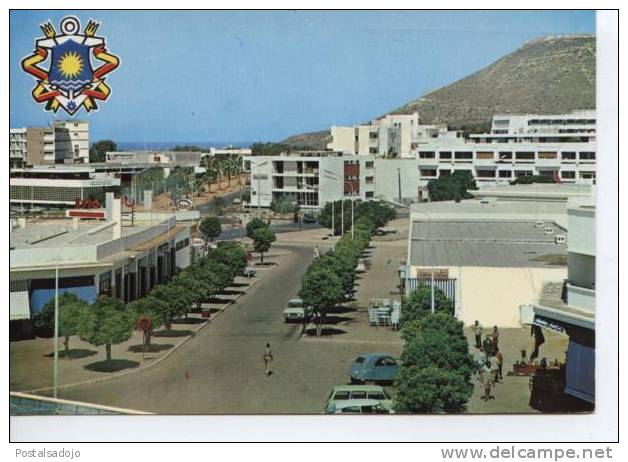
166	145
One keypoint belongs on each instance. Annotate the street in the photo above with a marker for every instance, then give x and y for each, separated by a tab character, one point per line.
221	369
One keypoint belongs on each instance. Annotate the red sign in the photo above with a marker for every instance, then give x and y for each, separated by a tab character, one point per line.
249	256
144	323
85	213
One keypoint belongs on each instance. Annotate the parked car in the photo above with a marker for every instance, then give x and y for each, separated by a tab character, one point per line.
237	200
249	271
343	393
374	367
309	218
296	312
358	406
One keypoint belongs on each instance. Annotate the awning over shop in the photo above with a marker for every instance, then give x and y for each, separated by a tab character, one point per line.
19	306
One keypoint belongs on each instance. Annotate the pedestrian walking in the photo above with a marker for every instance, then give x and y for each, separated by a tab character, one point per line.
500	364
317	253
268	358
487	347
495	340
487	381
477	331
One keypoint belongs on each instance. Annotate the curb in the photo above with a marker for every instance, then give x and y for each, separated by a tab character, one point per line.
157	361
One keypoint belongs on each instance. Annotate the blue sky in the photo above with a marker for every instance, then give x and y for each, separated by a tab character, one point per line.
248	76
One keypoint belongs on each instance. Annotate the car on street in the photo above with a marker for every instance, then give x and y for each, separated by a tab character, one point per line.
309	218
343	393
374	367
358	406
296	312
249	272
237	200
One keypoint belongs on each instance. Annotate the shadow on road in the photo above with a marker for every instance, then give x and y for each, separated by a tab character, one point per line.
152	348
74	354
173	333
334	320
325	332
113	365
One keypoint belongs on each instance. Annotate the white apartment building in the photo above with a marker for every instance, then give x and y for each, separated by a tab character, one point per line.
38	145
17	147
51	186
558	146
79	139
313	178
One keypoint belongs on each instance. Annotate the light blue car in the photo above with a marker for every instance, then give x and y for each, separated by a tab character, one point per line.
374	367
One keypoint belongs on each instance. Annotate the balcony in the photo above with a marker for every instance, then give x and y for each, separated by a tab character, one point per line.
581	297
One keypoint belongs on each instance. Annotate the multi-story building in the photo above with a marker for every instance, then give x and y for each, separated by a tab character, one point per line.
559	146
78	139
17	147
93	258
569	307
313	178
38	145
58	187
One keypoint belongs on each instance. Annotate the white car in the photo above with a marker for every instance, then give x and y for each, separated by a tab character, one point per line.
358	406
296	312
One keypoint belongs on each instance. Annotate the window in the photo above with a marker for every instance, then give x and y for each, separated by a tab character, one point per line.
523	173
428	172
341	395
369	194
568	156
372	150
358	395
505	155
464	155
376	395
359	359
587	156
548	155
444	172
568	175
104	284
445	154
505	173
521	155
351	410
427	154
486	173
369	164
369	179
484	155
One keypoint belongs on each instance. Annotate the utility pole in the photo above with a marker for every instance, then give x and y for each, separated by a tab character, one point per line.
399	183
432	286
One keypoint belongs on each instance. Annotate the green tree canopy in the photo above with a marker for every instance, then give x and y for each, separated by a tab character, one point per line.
452	187
321	288
254	224
107	322
262	240
72	309
230	253
419	304
211	227
99	149
174	300
431	390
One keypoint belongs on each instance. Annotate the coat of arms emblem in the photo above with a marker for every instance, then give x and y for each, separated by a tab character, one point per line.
63	69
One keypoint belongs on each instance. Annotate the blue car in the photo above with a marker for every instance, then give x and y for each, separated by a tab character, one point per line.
374	367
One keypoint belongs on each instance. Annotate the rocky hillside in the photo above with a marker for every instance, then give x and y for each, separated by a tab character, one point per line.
546	75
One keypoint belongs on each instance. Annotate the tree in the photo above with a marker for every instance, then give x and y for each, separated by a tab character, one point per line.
218	204
254	224
100	148
262	240
107	322
230	253
437	340
431	390
321	289
452	187
211	228
419	304
71	312
147	306
173	301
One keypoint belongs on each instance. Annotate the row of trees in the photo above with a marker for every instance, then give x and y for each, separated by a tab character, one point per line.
437	368
263	237
109	321
453	187
377	213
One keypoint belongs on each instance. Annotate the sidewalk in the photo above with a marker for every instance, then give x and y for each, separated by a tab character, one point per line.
31	361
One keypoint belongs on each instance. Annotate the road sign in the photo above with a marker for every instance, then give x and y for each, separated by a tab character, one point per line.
144	323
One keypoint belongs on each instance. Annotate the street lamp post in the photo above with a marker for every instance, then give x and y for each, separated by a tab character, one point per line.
433	306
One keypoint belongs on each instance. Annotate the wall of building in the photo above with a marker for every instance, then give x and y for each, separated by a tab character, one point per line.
493	295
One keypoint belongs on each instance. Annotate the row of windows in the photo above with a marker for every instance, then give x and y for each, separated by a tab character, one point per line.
479	173
506	155
48	193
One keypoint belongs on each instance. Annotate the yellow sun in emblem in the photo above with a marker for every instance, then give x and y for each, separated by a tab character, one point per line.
70	65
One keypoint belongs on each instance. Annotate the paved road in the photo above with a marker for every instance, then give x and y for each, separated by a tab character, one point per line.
224	361
238	233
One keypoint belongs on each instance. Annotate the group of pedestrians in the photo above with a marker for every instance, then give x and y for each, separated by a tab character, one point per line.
491	359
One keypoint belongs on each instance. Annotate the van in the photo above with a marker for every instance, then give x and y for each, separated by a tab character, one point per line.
357	406
342	393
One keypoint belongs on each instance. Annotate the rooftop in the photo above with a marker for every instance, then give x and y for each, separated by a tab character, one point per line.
480	243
